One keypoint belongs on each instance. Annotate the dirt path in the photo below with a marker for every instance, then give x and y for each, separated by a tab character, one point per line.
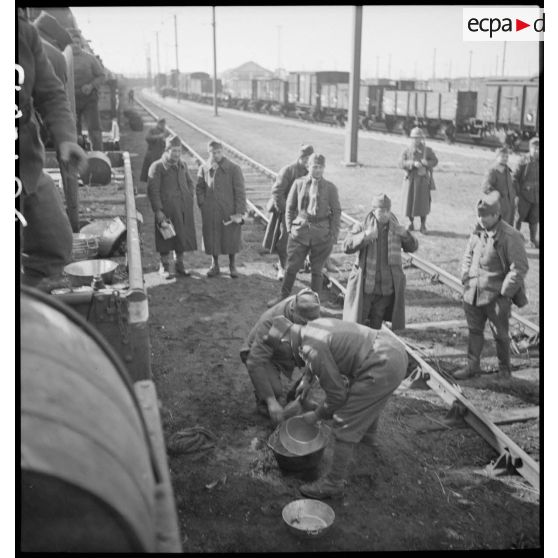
423	488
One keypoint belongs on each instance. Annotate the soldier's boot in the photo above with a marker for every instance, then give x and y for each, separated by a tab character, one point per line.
332	485
180	267
370	437
533	235
165	262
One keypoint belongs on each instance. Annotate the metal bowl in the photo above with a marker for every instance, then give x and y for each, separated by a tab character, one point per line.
308	518
82	273
299	437
291	462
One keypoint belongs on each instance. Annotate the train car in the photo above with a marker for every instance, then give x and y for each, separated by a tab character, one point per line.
431	109
272	90
507	105
371	97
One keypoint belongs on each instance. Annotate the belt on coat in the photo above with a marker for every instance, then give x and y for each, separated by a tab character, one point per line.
313	219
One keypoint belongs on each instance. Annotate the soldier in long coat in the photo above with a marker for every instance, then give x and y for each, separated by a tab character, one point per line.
171	193
276	234
222	201
526	178
155	138
418	162
376	286
499	178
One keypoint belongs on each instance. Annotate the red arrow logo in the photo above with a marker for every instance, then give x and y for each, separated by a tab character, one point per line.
519	25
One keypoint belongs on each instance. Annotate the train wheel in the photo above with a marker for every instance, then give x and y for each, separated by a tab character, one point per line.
390	123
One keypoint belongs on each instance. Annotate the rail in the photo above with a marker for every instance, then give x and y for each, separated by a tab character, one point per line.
509	451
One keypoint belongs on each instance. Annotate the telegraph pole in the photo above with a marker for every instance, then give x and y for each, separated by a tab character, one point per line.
351	138
470	66
215	112
504	58
157	42
176	56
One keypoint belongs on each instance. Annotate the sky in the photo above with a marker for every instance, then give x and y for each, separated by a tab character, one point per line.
298	38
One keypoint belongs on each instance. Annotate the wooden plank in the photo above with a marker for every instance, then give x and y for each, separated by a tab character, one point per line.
437	325
166	519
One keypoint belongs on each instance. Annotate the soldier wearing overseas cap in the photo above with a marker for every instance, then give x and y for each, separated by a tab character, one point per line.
222	202
376	287
155	138
499	179
263	363
313	220
276	234
171	192
526	178
418	160
358	368
492	272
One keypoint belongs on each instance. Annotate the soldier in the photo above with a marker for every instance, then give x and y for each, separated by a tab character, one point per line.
47	239
276	234
171	193
222	201
358	368
88	77
313	220
265	366
499	178
156	141
493	272
526	178
418	162
376	288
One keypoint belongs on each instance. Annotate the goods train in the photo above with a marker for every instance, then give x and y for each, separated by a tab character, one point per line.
476	107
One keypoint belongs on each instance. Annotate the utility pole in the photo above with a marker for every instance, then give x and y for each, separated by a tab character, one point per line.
434	65
157	43
148	60
504	58
278	46
176	56
215	111
351	138
470	66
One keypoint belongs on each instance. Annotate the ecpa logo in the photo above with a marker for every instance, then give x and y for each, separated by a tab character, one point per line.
503	24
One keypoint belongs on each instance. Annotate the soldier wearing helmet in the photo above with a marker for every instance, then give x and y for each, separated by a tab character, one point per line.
418	160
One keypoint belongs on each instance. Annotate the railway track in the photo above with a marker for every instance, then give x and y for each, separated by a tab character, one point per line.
258	179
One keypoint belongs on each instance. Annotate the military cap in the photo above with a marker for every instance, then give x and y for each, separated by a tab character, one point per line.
214	144
172	141
49	28
316	159
534	141
417	133
489	204
307	304
381	201
305	150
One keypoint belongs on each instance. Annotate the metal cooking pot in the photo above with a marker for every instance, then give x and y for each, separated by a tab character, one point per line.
109	232
82	273
308	518
299	437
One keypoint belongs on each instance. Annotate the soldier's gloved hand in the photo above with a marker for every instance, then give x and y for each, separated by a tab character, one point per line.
160	216
72	154
417	164
371	233
303	388
86	89
310	417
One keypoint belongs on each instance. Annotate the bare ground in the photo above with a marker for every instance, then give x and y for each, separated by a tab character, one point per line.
425	488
